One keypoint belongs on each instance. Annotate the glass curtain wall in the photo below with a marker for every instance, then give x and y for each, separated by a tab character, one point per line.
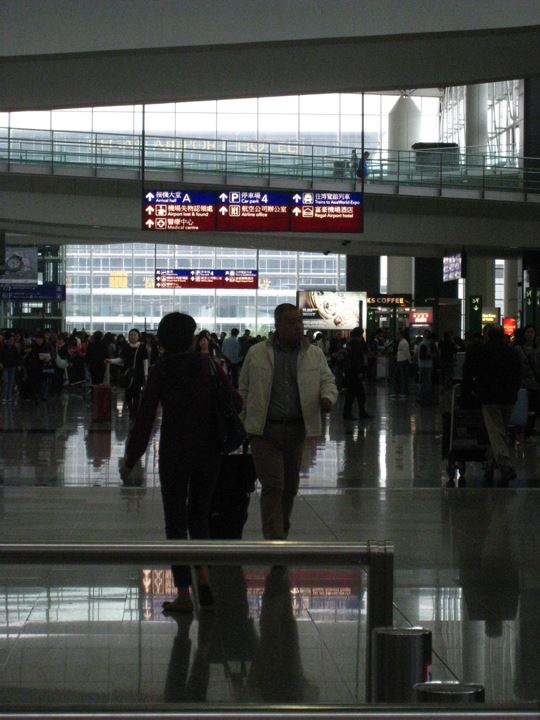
112	286
504	122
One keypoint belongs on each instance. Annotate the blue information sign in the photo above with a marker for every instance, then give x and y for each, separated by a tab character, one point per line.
49	292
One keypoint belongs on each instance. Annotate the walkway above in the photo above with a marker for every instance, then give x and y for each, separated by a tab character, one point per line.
88	187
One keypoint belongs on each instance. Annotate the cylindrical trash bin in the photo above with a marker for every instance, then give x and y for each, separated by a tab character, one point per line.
401	658
449	692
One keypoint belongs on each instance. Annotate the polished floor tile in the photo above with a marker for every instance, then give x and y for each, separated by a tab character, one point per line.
467	567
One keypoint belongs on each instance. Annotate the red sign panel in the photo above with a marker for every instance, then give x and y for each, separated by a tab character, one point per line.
217	279
510	326
421	317
323	218
253	218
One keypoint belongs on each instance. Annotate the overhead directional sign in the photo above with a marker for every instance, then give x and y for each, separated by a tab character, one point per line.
252	211
210	279
49	292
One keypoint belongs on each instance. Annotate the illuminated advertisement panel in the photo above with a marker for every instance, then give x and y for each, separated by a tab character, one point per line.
453	267
21	266
510	326
327	310
252	211
421	316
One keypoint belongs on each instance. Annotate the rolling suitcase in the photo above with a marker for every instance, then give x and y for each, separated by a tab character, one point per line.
102	400
230	502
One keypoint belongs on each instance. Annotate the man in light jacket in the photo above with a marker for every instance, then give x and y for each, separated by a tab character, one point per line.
285	383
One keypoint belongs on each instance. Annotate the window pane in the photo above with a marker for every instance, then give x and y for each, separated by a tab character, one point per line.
241	126
196	125
278	127
31	120
244	105
114	119
279	105
159	121
351	104
319	103
79	120
319	129
200	106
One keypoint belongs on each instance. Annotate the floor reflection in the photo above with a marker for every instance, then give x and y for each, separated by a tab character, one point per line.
103	643
467	566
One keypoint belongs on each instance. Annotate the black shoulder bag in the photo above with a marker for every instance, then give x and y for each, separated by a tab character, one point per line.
127	377
230	429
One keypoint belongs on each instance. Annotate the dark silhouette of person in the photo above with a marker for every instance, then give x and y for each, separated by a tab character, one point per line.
189	452
276	673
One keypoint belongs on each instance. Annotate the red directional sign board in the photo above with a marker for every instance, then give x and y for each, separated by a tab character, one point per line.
334	212
252	211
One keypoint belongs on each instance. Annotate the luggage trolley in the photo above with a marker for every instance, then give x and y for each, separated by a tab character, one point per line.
464	440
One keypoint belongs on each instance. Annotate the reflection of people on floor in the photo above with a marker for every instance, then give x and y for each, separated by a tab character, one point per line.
276	673
98	445
235	630
488	567
185	684
226	637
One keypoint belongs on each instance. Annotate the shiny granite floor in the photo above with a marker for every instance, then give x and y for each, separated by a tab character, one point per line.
467	567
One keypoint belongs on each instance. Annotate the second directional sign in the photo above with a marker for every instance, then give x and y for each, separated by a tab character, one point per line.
252	211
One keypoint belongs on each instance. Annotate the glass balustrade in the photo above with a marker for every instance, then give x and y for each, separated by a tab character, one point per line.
223	159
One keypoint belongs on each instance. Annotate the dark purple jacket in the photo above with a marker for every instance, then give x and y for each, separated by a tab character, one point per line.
183	385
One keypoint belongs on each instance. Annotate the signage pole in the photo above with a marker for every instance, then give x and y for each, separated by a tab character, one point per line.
362	151
475	314
143	147
257	294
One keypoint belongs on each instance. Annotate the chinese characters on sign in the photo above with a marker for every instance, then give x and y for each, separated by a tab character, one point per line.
206	279
252	211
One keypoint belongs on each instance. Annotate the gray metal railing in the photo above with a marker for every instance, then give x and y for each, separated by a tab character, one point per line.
253	712
186	157
378	557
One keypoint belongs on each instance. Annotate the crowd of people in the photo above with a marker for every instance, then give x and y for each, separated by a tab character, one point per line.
280	384
37	366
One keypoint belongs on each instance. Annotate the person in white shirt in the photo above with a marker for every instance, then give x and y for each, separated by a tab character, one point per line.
403	360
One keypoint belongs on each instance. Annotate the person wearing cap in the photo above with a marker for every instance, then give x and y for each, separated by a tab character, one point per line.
189	456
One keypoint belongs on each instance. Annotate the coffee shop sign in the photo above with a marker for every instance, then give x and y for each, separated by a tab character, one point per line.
392	300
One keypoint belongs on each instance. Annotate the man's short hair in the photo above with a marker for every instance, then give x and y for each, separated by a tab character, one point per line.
235	332
282	310
175	332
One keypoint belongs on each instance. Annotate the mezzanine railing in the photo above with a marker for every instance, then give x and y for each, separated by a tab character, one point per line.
269	162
